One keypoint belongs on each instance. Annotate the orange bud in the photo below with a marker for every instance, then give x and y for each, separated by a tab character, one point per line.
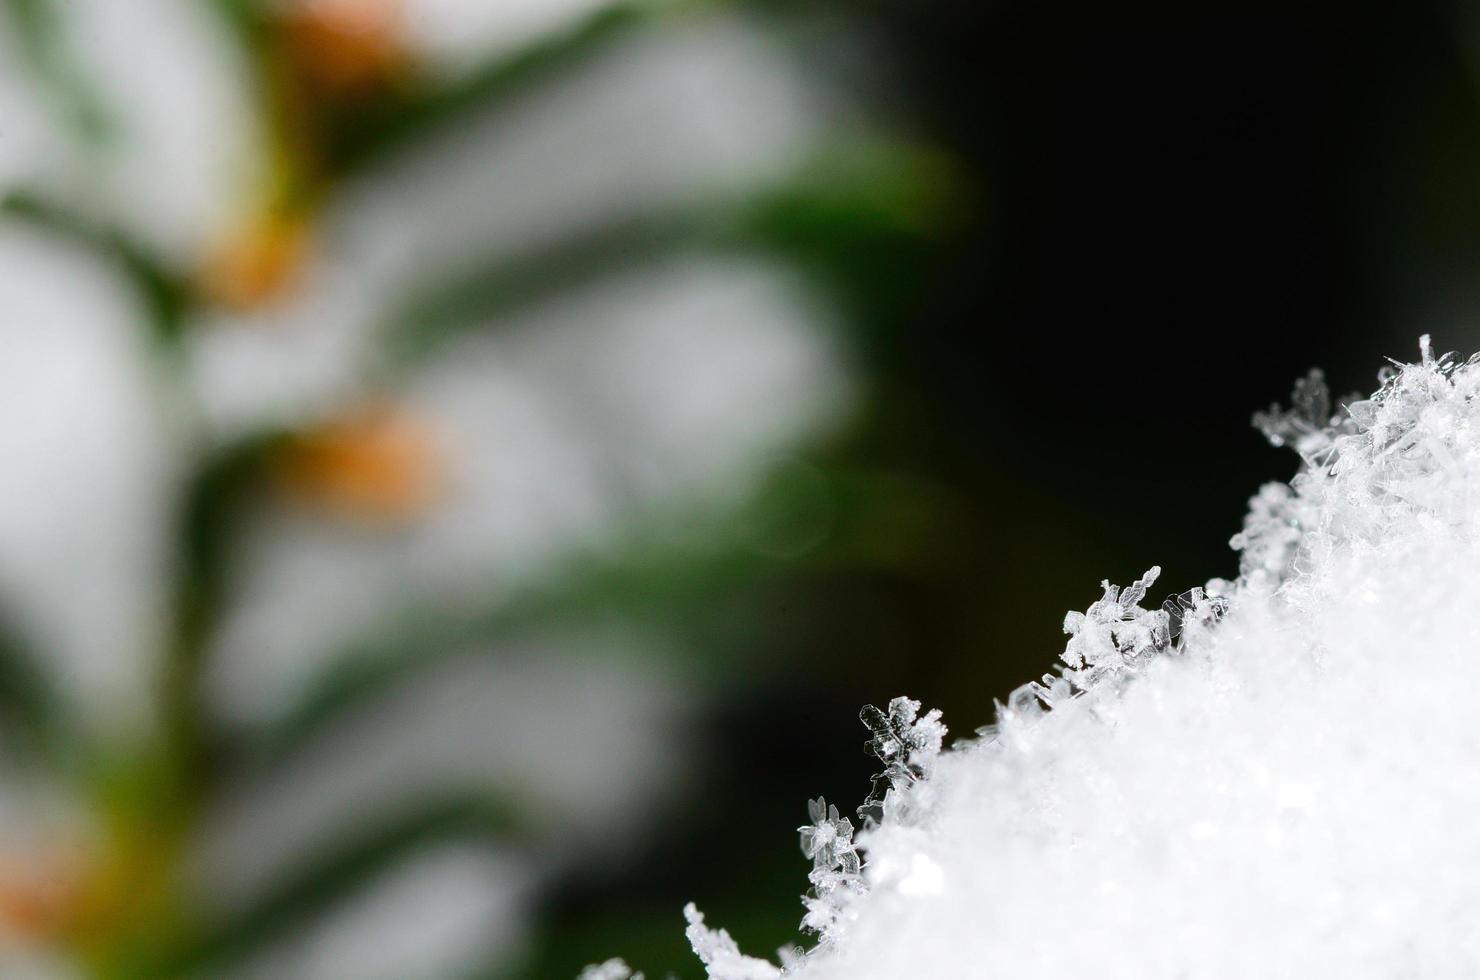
377	464
263	260
39	896
346	48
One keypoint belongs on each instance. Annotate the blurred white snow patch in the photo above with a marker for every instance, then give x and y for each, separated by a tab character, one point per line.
459	35
85	498
36	964
32	144
706	107
682	376
176	95
576	731
1287	791
442	912
664	391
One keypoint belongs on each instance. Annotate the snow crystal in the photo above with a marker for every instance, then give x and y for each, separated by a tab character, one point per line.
719	953
835	874
1114	631
907	745
610	970
1311	424
1272	777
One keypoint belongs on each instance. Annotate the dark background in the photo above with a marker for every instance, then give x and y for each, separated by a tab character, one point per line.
1166	225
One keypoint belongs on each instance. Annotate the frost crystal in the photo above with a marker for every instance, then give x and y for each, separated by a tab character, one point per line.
1115	631
1271	534
906	743
1260	778
1191	614
610	970
719	953
835	874
1309	425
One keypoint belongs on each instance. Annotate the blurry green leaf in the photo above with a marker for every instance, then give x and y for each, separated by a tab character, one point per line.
369	136
356	860
49	58
848	216
249	18
361	131
589	586
855	196
683	587
868	221
207	518
30	708
503	287
166	294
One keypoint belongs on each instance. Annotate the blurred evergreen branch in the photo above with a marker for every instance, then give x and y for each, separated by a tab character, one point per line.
861	218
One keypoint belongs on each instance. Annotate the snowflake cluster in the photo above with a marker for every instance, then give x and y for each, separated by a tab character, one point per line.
908	744
1115	636
836	870
1379	462
720	954
1192	613
1115	631
1311	425
1271	535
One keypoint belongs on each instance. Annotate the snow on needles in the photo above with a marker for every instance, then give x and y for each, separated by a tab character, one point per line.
1273	777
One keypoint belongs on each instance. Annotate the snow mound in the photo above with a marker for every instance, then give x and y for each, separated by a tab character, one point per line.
1272	777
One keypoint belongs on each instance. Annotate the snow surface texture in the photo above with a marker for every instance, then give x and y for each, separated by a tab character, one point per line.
1273	777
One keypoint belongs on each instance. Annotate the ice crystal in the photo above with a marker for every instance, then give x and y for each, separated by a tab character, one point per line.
835	874
1271	534
1115	631
828	839
906	743
1192	613
1311	424
1257	778
1113	636
720	954
610	970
